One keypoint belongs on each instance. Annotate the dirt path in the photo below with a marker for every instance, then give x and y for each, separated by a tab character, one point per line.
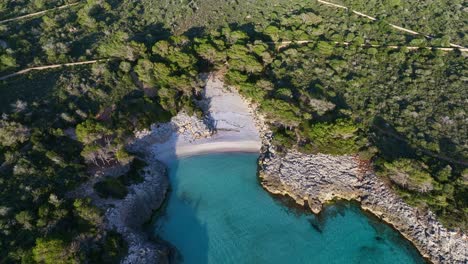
50	67
392	25
37	13
283	44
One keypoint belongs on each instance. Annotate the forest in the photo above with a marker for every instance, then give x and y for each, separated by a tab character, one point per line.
345	91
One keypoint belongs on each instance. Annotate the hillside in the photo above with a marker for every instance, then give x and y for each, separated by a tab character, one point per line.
329	81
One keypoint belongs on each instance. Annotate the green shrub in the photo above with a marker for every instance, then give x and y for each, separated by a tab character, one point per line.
134	174
338	138
111	187
114	248
51	251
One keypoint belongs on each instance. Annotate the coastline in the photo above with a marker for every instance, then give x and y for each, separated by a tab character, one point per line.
318	180
215	147
231	124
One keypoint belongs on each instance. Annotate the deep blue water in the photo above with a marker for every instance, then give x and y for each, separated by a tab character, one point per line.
217	212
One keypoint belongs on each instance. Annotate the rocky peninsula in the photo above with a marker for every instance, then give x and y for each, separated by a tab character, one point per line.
315	180
127	216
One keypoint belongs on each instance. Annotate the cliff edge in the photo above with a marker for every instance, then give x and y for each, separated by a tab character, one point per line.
318	179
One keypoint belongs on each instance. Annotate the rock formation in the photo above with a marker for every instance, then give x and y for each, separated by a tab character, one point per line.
318	179
128	215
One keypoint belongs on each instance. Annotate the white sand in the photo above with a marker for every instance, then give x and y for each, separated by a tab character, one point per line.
233	121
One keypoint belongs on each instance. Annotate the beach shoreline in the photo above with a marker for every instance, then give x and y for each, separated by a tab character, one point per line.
232	124
210	148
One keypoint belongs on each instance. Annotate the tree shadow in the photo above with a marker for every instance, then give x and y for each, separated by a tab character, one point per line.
80	46
152	33
194	32
390	143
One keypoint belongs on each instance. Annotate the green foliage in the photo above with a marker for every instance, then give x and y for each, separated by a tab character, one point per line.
281	112
436	18
24	218
235	77
7	61
284	138
122	155
338	138
52	251
272	32
86	211
409	174
210	53
324	48
111	187
119	46
144	69
90	131
12	133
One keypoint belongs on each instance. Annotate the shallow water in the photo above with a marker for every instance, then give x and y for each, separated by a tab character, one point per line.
217	212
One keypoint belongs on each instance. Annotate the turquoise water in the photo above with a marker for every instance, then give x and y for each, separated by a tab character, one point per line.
217	212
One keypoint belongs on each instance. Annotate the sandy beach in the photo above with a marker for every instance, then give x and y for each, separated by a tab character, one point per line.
229	125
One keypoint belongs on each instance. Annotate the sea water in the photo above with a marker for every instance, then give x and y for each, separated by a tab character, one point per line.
217	212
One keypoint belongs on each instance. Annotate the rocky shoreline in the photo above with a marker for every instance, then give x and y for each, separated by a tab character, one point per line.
128	216
312	180
228	120
315	180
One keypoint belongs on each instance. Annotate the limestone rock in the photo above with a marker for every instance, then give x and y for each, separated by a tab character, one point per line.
317	179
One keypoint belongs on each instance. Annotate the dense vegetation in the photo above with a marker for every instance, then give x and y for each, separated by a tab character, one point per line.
402	109
436	18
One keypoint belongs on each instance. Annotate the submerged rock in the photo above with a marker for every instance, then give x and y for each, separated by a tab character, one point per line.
318	179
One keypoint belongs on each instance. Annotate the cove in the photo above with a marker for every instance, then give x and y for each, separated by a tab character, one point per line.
217	212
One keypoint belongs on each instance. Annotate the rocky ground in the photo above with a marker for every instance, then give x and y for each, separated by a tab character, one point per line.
127	216
318	179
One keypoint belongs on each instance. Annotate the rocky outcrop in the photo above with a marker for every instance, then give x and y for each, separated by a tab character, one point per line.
182	127
318	179
127	216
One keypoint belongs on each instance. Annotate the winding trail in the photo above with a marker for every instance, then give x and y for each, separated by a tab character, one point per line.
38	13
392	25
38	68
283	44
